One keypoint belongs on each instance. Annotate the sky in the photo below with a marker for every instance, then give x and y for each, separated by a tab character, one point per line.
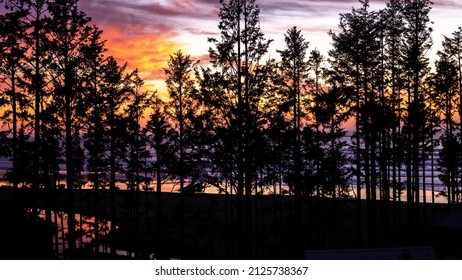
145	32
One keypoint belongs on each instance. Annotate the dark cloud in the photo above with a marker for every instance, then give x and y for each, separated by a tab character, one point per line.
149	11
197	31
307	7
448	4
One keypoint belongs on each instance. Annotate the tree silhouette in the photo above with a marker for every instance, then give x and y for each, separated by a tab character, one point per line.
451	68
418	41
294	71
354	62
181	89
158	132
316	62
394	28
96	136
11	57
238	55
446	93
68	29
136	152
115	89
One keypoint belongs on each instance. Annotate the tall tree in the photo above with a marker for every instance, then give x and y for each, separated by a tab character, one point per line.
238	58
418	41
35	64
445	86
136	152
354	59
68	29
115	90
158	131
95	137
394	64
331	113
452	52
316	62
294	69
181	90
12	53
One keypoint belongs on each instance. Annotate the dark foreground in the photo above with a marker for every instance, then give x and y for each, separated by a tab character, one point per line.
207	227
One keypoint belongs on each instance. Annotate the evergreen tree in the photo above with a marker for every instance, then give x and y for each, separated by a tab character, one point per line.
316	63
452	54
294	71
332	112
158	132
238	57
181	89
136	152
95	136
394	63
417	41
115	88
354	61
445	84
68	29
12	52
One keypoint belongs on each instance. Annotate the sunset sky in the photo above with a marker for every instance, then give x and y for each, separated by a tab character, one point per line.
144	32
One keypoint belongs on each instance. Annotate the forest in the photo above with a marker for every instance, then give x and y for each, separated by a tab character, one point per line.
243	157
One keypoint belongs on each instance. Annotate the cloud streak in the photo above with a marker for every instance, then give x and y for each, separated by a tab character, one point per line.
145	32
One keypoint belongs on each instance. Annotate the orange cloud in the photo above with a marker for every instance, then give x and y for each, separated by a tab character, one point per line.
149	52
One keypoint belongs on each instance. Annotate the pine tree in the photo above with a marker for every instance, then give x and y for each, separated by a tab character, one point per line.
115	90
418	41
446	93
354	61
238	57
68	29
95	137
394	28
316	61
452	53
332	113
294	71
158	132
136	152
12	53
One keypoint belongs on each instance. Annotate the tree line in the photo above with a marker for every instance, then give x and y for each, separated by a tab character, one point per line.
244	125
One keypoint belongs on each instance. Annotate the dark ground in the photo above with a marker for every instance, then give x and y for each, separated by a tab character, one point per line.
210	228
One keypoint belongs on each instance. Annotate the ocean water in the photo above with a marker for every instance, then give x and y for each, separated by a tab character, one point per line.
426	183
5	164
